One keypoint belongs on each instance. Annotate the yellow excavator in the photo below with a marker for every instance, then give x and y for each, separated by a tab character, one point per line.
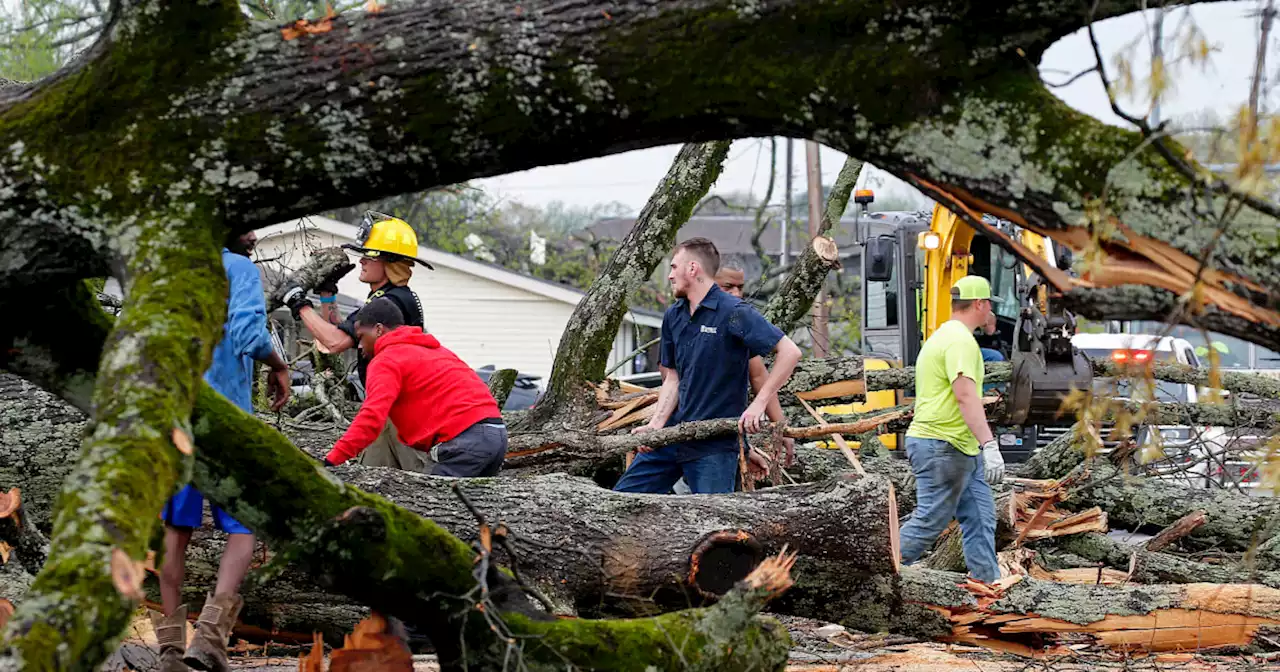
909	262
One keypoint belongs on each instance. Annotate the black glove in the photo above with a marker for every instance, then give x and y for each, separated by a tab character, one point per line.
327	286
296	299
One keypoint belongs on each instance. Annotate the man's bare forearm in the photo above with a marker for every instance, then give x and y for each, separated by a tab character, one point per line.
668	397
329	337
275	361
759	374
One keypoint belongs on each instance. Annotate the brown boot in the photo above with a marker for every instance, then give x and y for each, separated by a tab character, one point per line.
208	650
171	631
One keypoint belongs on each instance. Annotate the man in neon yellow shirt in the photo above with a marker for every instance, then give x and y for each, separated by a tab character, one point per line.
953	454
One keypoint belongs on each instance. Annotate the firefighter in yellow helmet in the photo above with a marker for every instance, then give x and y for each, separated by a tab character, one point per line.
387	248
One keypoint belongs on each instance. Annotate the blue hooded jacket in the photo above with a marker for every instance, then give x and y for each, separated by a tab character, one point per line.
244	336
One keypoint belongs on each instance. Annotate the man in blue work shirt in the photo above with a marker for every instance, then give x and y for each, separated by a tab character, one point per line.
244	339
708	337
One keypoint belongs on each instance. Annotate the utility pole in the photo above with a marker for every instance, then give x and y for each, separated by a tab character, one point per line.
1157	56
821	340
786	216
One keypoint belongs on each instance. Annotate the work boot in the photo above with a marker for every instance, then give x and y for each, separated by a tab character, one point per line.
171	631
208	650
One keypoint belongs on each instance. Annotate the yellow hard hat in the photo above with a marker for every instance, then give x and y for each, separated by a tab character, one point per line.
386	238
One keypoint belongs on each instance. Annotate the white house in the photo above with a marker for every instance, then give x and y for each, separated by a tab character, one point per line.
483	312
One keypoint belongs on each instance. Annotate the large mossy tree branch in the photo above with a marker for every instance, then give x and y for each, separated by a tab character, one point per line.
130	460
588	337
792	301
439	92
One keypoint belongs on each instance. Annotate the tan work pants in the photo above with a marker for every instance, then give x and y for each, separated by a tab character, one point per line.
387	451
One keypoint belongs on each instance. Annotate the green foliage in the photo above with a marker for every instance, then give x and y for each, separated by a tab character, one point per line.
39	36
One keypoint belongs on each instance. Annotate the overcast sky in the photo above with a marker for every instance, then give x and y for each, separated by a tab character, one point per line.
631	177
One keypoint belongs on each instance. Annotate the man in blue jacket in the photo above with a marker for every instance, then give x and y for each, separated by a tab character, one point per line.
245	339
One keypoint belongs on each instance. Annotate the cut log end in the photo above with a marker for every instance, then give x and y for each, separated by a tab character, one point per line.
722	559
10	503
6	611
826	249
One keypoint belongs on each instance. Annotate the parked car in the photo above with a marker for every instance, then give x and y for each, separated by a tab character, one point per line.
524	394
1186	449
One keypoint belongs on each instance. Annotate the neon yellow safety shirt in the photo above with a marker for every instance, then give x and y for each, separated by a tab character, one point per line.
950	352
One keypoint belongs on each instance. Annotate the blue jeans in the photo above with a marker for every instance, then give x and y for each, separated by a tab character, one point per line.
950	484
659	469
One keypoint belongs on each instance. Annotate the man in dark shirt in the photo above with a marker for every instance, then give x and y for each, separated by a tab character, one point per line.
388	248
708	337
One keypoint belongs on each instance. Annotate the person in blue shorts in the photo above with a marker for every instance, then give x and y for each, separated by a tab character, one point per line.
244	339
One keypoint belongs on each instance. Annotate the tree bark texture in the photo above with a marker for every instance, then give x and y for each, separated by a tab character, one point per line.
23	543
39	441
500	384
788	306
589	335
593	83
1151	566
1233	521
592	551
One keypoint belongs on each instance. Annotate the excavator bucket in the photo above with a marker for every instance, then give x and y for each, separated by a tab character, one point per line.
1046	368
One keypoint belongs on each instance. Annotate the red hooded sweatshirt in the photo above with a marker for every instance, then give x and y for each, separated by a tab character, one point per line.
430	394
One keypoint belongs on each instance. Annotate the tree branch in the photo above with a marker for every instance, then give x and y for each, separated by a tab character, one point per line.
588	337
792	302
133	451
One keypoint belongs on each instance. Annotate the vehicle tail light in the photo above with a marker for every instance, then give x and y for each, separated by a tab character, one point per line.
1131	356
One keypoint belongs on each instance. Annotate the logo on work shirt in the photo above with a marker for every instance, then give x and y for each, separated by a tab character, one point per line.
707	330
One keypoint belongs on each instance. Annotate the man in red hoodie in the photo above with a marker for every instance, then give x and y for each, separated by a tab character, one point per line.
436	402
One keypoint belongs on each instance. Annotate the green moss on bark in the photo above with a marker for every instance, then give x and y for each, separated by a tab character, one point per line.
128	465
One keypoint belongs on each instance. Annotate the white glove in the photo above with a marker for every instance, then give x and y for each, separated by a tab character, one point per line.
992	462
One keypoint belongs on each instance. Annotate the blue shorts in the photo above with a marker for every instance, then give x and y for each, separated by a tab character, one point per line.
186	509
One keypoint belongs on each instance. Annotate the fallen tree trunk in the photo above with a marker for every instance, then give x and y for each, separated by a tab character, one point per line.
39	440
590	550
1039	619
557	449
1233	521
1143	566
843	379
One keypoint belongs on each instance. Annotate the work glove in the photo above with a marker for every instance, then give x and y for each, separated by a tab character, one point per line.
296	299
992	462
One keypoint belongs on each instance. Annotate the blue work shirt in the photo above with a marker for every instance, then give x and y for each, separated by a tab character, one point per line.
709	351
244	335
